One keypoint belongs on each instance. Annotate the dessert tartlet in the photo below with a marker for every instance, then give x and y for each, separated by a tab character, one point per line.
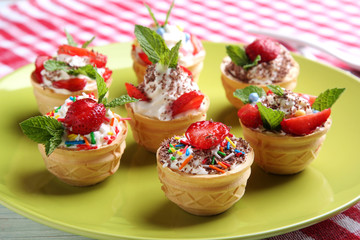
204	172
169	100
81	141
191	53
260	63
57	78
285	129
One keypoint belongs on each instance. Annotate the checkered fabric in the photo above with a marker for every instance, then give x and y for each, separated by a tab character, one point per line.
33	27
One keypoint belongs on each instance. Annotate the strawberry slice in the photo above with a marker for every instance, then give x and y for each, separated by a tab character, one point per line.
306	124
85	116
187	71
107	74
187	101
250	116
135	92
311	99
72	84
97	59
39	66
196	43
144	58
206	134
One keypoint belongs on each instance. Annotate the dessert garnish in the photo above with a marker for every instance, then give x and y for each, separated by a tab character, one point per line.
83	117
279	109
261	50
158	26
206	148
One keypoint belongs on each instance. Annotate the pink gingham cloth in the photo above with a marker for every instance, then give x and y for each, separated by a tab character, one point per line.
33	27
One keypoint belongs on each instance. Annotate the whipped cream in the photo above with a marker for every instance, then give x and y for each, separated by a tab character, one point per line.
74	61
104	136
163	87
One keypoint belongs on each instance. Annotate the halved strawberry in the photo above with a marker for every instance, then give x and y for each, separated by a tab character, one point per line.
206	134
265	47
97	59
85	116
72	84
187	71
107	74
250	116
311	99
187	101
144	58
135	92
196	43
305	124
39	66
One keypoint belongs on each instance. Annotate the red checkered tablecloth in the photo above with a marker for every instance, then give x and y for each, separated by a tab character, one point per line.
32	27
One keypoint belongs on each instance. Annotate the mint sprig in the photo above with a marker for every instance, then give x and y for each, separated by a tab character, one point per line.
243	94
239	57
167	14
87	70
271	118
155	48
71	41
326	99
120	101
276	89
44	130
152	15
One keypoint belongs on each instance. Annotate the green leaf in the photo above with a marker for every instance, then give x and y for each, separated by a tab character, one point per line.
70	39
152	15
239	57
86	44
101	87
173	55
276	89
152	43
243	94
168	12
271	118
326	99
53	65
44	130
87	70
120	101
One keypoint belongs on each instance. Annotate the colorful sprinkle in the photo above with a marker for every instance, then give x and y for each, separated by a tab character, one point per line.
187	152
222	164
72	136
216	168
231	142
110	133
86	141
74	142
213	160
172	158
179	153
92	136
221	153
107	119
180	145
229	156
228	145
177	138
112	122
186	162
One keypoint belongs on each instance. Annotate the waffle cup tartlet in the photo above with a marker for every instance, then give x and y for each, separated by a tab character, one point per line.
86	167
203	193
285	154
150	132
47	99
281	71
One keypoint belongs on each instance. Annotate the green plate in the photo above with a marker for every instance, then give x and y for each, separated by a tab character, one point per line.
130	204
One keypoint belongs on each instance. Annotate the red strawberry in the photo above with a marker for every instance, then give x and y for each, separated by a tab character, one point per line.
206	134
135	93
97	59
39	66
72	84
187	101
107	74
311	99
187	71
305	124
250	116
265	47
196	43
144	58
85	116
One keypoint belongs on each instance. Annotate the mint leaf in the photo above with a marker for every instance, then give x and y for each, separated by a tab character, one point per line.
70	39
276	89
326	99
44	130
53	65
243	94
101	87
173	55
168	12
271	118
151	43
87	70
120	101
239	57
152	15
86	44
